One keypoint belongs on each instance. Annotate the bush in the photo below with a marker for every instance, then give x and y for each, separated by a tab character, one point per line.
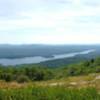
22	79
6	76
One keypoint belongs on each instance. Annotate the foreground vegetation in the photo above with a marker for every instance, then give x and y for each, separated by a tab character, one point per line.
79	81
71	88
49	93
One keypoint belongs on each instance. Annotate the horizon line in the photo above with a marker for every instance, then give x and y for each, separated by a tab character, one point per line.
49	44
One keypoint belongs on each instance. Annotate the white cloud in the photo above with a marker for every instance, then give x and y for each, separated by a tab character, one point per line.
46	23
57	39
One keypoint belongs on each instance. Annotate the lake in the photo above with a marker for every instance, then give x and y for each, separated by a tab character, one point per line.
38	59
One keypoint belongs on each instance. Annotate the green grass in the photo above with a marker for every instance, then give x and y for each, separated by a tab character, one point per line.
62	89
49	93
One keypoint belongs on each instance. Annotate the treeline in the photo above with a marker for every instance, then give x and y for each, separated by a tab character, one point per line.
26	73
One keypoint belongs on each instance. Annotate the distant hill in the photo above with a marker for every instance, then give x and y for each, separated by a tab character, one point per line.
20	51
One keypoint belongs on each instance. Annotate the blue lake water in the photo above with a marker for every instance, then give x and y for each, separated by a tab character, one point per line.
38	59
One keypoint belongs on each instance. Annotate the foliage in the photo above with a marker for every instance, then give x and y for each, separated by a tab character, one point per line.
22	79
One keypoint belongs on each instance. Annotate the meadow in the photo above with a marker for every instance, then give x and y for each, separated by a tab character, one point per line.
49	93
71	88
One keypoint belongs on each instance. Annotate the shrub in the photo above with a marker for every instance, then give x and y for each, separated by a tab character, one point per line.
6	76
22	79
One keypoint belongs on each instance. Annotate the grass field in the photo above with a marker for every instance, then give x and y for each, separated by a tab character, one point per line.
71	88
49	93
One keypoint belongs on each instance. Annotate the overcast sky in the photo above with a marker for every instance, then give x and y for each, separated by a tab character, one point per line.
50	21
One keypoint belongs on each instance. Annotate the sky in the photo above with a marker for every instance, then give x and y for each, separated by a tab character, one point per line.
49	21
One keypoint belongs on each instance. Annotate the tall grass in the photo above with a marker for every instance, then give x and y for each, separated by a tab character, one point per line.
49	93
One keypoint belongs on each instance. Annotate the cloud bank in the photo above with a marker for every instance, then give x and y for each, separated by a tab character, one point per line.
50	21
